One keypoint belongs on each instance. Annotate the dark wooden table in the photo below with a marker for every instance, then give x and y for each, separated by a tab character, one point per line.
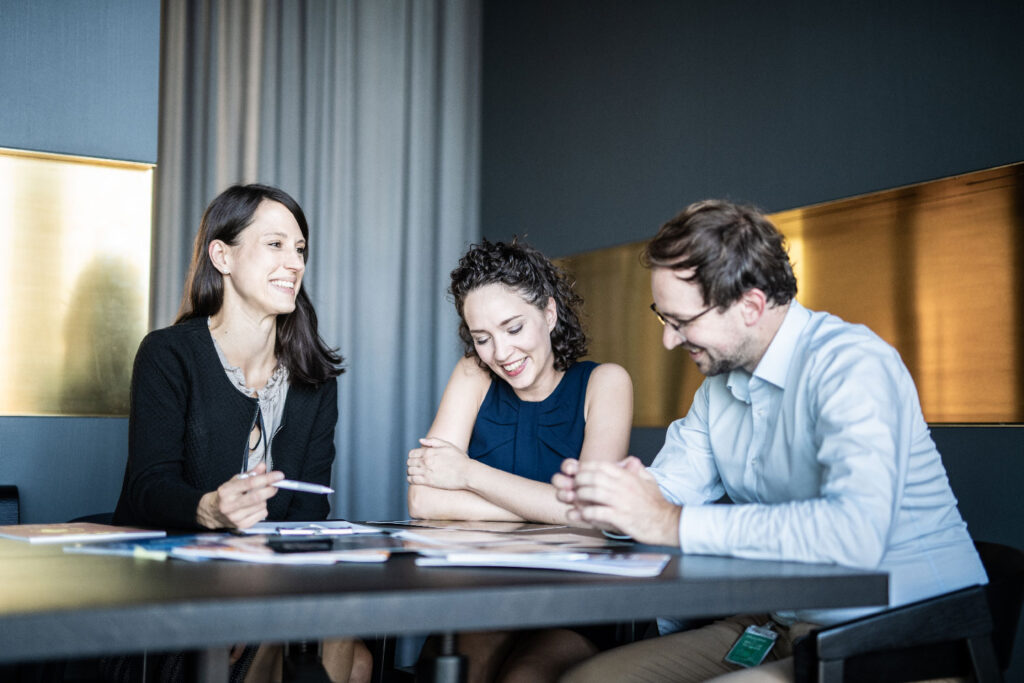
59	605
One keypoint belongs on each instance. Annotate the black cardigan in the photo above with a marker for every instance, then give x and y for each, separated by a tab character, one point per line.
189	433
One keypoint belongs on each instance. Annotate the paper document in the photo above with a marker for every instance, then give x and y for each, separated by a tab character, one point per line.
459	538
496	527
618	564
330	527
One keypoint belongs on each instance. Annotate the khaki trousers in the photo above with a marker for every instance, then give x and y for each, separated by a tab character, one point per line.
694	656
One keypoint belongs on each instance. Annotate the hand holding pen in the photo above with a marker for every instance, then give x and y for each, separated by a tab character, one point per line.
239	502
292	484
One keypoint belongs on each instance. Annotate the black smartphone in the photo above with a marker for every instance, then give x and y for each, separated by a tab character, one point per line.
283	544
314	544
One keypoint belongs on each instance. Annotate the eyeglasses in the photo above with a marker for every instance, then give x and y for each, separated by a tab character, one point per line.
678	325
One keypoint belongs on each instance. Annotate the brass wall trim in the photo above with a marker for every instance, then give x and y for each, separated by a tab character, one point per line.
936	269
74	159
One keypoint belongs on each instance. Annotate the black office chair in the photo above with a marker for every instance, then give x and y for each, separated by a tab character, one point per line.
970	631
10	509
97	518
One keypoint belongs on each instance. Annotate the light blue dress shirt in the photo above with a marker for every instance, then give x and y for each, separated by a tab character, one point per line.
827	457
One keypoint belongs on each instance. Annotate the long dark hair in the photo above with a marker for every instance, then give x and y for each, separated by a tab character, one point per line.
299	346
522	268
731	249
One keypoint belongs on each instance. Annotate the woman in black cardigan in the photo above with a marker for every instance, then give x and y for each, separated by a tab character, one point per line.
200	408
241	391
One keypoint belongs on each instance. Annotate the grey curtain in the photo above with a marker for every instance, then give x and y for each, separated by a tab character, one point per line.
367	112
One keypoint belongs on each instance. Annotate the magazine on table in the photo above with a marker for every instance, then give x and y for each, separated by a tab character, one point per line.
74	532
145	548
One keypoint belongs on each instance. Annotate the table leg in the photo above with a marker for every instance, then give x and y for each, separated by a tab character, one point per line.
211	666
447	667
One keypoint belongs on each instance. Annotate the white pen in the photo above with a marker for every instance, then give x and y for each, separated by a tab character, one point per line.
303	486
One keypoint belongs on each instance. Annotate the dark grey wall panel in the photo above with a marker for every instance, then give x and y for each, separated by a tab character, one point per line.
602	118
64	467
80	77
985	464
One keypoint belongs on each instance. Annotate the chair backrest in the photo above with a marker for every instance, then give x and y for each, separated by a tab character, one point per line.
1005	568
97	518
974	627
10	510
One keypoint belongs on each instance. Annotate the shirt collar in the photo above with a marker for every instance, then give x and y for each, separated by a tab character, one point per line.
774	363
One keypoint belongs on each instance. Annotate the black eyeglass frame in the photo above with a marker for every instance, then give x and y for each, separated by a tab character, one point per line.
680	325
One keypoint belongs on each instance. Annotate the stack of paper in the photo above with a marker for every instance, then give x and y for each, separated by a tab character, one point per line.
259	549
551	548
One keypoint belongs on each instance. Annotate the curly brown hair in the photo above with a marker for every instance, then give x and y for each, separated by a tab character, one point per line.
522	268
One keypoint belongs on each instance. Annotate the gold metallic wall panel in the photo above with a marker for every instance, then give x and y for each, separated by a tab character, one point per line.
936	269
75	277
617	295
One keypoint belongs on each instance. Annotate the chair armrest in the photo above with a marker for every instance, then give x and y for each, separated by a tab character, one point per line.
953	616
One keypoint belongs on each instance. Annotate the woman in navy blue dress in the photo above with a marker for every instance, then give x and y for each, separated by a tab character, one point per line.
516	405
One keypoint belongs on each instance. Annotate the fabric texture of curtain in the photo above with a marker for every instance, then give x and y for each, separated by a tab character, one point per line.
367	112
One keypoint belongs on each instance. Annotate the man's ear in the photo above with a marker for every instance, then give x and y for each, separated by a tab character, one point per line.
551	313
218	253
752	306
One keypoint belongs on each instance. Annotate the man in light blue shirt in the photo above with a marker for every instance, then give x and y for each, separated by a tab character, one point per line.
811	425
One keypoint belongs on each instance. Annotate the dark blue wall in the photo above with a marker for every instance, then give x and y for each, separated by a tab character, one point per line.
603	118
77	78
80	77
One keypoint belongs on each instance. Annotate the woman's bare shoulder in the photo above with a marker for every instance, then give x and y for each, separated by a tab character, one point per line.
610	376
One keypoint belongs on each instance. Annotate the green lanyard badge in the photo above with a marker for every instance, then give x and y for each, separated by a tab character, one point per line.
752	646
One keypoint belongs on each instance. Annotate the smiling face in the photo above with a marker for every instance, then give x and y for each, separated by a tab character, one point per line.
263	270
718	341
513	338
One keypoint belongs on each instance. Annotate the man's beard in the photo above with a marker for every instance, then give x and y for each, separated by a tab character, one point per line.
720	366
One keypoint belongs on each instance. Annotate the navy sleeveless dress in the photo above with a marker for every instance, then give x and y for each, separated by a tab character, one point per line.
531	438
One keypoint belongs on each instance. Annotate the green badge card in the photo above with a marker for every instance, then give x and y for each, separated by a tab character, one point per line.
752	647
